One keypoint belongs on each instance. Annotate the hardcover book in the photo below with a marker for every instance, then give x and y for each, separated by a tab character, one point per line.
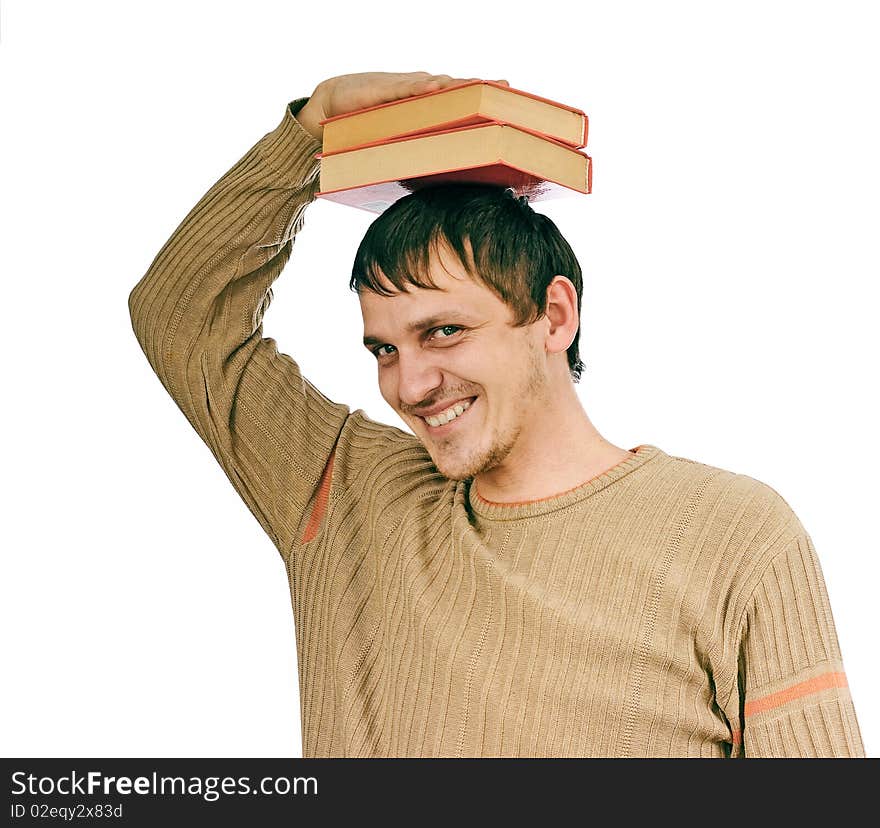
375	175
468	104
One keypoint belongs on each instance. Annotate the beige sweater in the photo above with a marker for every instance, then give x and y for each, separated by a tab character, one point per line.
663	608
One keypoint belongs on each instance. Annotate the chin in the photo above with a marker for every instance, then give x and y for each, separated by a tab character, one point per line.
451	471
473	460
450	467
464	468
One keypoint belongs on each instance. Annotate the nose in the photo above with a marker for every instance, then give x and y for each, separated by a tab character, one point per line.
417	377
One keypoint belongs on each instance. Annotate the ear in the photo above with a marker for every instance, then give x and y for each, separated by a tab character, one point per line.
562	315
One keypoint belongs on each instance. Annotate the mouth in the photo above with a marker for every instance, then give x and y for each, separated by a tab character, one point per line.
445	421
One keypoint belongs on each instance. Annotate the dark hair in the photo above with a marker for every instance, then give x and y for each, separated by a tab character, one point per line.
499	239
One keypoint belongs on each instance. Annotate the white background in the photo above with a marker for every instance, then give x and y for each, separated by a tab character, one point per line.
730	254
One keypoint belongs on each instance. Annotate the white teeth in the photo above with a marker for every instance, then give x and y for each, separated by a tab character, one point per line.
449	414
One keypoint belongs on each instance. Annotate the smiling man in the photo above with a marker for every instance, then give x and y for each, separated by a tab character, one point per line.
502	581
480	367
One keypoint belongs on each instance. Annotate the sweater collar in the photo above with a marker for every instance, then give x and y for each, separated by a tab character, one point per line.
516	511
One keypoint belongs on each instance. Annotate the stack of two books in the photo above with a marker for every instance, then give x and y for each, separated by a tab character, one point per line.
479	131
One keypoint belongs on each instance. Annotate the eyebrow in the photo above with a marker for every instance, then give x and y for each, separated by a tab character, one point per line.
425	323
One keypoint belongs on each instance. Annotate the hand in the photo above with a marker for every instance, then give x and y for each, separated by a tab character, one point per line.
346	93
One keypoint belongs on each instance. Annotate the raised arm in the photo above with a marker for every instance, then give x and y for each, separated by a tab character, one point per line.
198	311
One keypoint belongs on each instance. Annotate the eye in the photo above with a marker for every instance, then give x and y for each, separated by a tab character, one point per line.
379	352
447	331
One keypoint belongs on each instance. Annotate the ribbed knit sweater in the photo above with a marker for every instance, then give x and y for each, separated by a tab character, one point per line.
664	608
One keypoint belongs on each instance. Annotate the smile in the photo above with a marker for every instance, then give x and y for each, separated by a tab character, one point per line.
450	414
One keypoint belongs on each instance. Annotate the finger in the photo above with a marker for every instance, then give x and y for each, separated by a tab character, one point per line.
432	83
417	86
441	81
446	80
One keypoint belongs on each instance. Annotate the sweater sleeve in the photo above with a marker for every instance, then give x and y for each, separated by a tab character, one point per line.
793	695
197	314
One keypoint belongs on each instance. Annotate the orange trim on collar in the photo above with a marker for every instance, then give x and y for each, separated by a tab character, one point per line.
550	497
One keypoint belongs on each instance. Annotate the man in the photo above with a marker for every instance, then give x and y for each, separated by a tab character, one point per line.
505	582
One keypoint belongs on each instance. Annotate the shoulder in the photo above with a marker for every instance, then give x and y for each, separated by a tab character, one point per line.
739	532
736	524
736	499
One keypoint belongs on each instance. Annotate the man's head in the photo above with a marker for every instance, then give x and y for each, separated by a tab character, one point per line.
470	299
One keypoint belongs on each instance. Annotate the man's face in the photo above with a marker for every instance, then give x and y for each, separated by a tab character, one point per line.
454	368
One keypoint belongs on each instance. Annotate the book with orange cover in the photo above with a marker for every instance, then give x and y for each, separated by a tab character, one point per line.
466	104
374	175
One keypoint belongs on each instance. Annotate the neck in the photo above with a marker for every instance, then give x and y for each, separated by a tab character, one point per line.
542	464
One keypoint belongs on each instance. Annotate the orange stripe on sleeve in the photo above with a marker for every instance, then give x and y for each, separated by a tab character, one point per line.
320	502
805	688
